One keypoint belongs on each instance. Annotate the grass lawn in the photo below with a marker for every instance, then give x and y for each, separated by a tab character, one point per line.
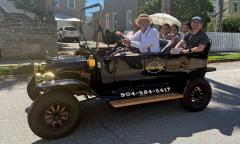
6	70
223	56
15	70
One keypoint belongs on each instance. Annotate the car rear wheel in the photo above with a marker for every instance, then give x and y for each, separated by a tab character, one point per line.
31	89
197	95
54	115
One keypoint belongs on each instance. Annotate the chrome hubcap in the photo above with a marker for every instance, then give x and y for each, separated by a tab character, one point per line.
197	95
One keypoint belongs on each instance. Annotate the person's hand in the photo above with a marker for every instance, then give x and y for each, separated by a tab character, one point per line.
186	51
176	51
118	33
126	42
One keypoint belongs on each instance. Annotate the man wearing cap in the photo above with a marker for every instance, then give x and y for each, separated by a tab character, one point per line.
147	38
195	41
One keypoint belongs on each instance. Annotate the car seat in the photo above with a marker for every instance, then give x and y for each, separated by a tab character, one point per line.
205	52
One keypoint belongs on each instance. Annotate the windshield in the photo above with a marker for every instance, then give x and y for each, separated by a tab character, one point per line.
89	25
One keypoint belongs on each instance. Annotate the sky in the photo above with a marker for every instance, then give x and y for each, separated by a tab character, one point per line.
90	2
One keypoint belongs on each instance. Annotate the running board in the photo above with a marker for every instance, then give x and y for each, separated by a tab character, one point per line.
144	100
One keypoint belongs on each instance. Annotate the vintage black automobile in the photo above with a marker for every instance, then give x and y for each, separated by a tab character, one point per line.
119	77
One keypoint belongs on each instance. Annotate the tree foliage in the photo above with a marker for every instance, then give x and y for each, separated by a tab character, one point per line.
34	6
231	24
183	10
152	6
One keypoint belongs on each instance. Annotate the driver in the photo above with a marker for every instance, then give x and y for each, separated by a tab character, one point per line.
147	38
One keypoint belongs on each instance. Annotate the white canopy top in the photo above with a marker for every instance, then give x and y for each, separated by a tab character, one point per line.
162	18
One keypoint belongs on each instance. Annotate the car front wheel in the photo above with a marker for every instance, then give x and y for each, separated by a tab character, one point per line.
197	95
54	115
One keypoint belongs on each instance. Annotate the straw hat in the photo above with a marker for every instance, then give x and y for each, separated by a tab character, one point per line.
143	16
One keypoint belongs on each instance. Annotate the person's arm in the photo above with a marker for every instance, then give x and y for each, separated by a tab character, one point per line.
136	36
147	42
180	44
120	34
200	48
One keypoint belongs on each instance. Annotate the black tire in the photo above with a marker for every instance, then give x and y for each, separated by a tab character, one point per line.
197	95
31	89
41	117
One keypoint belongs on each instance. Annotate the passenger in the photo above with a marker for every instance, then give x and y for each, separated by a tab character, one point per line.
185	28
159	29
165	31
135	28
147	38
195	41
174	35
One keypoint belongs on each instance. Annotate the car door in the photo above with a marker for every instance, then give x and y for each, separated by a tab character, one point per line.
155	65
128	67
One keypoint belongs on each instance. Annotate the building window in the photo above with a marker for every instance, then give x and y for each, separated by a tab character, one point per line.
55	3
114	20
107	21
129	20
71	4
234	6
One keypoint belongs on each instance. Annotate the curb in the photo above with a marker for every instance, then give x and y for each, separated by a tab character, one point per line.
222	61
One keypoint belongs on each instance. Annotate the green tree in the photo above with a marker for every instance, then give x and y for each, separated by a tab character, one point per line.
231	24
184	10
150	7
36	7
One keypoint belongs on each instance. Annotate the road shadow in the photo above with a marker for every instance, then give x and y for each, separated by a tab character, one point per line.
161	122
8	82
225	94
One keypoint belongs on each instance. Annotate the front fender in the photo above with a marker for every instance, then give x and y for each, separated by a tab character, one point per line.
70	85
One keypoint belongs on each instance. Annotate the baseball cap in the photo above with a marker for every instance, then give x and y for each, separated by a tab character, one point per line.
197	18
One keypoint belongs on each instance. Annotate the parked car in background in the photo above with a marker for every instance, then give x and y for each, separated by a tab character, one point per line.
68	34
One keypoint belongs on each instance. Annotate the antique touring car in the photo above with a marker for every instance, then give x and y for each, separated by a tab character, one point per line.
117	76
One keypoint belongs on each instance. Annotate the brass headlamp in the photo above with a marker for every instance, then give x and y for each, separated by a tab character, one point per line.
91	62
48	76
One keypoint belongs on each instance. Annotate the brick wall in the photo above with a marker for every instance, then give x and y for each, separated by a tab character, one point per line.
22	37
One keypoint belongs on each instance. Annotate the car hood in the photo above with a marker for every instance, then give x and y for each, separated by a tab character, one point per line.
67	63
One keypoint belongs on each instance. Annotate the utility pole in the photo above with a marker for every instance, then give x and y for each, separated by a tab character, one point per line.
165	6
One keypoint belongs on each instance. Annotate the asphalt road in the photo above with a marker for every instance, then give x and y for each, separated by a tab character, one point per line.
158	123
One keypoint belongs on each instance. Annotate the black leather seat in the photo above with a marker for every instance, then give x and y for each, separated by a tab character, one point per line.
207	49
